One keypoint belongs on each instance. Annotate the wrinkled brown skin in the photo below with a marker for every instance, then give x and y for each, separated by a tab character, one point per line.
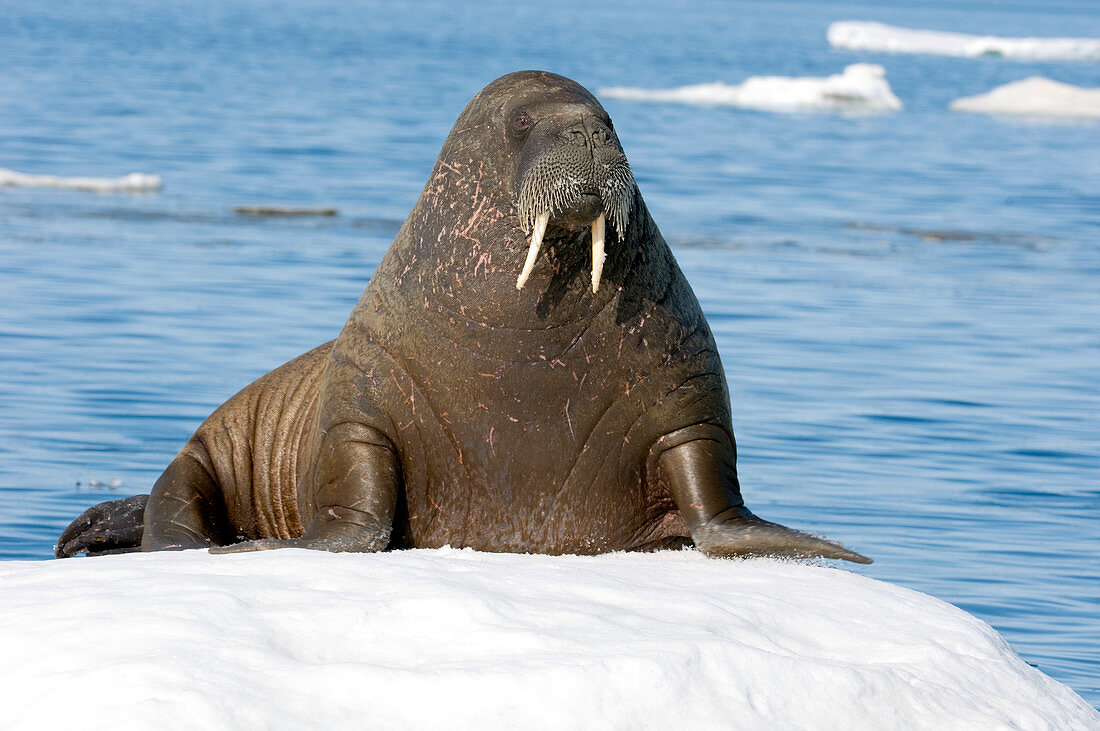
455	410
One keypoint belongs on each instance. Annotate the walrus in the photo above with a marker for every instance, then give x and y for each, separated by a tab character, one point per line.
527	371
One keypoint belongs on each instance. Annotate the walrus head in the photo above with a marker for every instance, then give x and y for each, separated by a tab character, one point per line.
534	158
572	172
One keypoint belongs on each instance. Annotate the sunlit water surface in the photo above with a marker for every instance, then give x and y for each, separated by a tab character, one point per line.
907	305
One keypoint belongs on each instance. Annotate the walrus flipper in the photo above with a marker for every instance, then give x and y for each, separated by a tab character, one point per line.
339	530
115	526
356	495
703	481
185	509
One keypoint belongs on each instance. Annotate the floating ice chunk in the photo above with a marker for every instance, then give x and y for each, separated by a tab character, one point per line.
464	640
861	35
861	87
132	183
1036	96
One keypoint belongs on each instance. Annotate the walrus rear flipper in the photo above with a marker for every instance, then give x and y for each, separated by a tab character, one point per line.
115	526
703	481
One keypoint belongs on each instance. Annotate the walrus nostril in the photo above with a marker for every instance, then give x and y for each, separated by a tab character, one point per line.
576	135
590	132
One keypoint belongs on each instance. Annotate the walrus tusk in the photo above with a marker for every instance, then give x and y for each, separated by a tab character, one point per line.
533	252
598	227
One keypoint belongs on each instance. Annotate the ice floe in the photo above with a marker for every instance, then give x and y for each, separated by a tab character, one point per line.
861	35
448	639
1036	97
862	87
132	183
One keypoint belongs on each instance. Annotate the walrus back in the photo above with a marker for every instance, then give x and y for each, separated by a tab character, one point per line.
253	446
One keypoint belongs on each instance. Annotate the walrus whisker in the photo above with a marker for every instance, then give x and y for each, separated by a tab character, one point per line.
533	252
598	227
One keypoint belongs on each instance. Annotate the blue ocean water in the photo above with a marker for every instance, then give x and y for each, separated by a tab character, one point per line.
907	305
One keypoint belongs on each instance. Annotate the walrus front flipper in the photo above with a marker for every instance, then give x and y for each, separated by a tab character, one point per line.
115	526
357	484
703	481
340	530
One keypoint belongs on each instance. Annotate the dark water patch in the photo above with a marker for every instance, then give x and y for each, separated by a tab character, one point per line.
707	243
900	419
382	226
956	402
946	236
1051	454
758	315
278	151
280	211
1068	497
803	439
145	215
220	243
251	215
246	215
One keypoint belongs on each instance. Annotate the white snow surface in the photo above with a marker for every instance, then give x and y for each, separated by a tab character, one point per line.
859	35
132	183
455	639
1036	96
862	87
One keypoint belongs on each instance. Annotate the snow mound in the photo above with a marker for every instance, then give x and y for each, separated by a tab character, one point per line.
132	183
861	87
861	35
1036	96
448	639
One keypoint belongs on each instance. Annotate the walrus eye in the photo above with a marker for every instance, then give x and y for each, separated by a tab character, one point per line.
610	125
521	122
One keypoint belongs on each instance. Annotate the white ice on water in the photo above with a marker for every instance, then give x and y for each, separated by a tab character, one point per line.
1035	97
132	183
862	87
448	639
861	35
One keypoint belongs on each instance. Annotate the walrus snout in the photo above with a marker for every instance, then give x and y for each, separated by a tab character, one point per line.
575	174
